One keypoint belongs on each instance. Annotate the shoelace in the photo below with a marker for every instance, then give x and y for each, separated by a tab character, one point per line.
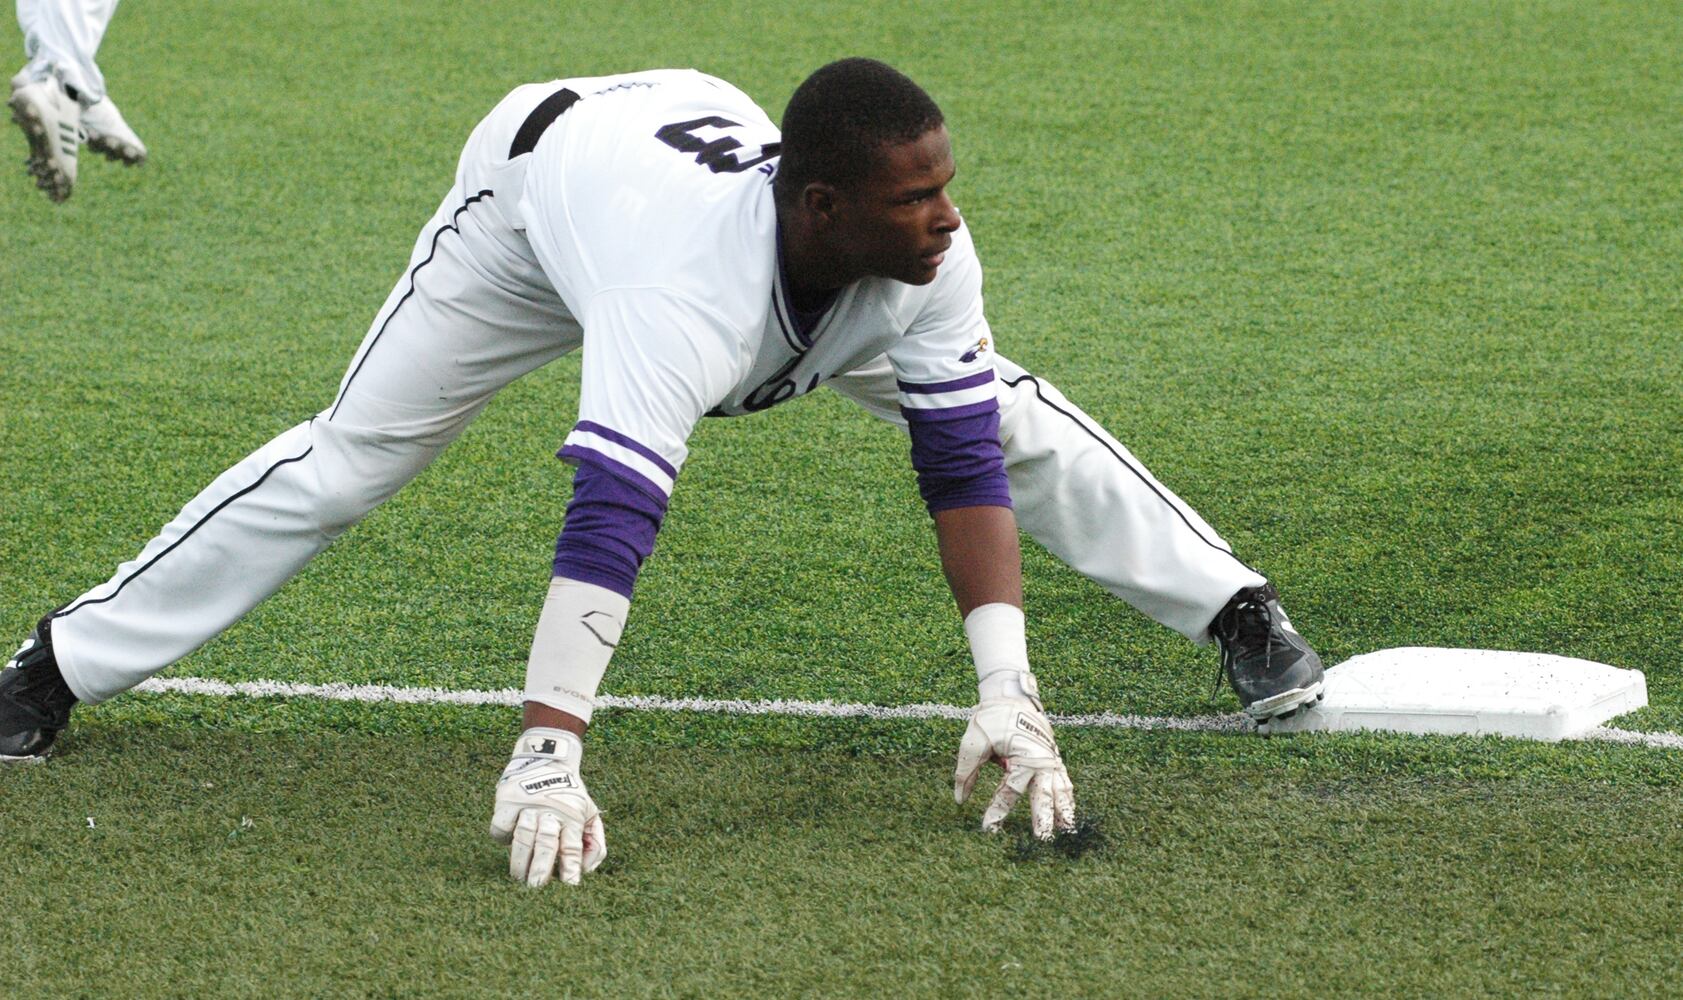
1228	638
50	697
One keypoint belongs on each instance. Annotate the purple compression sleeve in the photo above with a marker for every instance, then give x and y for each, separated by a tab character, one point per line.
959	461
609	531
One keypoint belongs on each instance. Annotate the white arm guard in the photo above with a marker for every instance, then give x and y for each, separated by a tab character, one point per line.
576	636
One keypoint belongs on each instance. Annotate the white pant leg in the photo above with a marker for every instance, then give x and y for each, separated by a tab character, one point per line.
470	315
28	12
29	16
65	35
1085	497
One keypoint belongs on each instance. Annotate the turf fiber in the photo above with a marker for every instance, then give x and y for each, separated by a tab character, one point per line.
1389	292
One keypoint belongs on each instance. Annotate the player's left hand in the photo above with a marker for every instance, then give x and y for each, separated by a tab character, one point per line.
1016	733
544	813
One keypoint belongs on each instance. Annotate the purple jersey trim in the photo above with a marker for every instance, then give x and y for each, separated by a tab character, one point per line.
797	324
945	413
610	528
967	382
959	462
637	446
796	342
579	455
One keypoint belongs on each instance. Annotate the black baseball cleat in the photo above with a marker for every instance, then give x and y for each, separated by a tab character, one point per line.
34	700
1271	668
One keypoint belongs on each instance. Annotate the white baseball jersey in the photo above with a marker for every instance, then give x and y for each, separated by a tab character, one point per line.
649	205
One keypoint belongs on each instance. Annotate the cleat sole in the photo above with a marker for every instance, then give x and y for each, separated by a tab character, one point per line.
49	178
39	758
128	156
1286	703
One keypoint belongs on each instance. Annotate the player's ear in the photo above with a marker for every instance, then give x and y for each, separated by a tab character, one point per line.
819	200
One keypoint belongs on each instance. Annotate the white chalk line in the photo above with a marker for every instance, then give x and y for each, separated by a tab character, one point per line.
511	697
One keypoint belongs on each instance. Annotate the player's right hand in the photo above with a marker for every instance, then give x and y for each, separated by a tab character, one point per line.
543	812
1016	733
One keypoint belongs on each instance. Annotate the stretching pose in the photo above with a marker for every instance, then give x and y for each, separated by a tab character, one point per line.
707	266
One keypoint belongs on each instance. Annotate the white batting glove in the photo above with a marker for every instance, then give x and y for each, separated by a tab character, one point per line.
544	813
1014	731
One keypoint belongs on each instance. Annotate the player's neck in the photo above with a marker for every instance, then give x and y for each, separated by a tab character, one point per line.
812	271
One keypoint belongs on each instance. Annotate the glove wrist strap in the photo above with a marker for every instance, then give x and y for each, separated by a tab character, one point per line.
558	744
1005	684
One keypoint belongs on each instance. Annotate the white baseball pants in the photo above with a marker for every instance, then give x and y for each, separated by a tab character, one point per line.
65	35
474	312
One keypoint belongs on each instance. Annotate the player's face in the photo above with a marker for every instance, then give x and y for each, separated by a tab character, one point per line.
898	222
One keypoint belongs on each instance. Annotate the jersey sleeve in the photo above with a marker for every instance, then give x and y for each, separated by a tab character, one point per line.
944	374
654	363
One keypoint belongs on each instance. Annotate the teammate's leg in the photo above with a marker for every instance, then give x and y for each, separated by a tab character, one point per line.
58	97
63	36
29	11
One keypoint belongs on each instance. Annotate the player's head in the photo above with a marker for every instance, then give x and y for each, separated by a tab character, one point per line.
866	159
843	116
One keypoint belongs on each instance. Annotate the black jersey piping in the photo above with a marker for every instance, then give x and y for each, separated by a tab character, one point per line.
449	227
188	534
1137	473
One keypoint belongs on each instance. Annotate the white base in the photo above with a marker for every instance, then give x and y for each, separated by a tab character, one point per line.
1419	689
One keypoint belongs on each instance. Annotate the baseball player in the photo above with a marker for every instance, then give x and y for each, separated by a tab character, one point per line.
58	97
707	265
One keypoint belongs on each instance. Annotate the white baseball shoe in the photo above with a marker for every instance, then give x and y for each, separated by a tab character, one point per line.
52	121
20	78
110	135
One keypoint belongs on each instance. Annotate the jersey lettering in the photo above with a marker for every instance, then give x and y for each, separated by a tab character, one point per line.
779	388
717	155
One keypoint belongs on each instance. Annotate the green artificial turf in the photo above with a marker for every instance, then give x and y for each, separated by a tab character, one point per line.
193	860
1389	292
